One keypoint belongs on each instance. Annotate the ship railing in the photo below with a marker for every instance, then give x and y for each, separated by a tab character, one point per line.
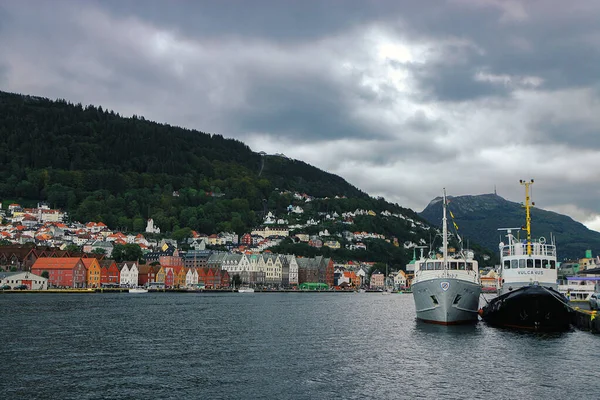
537	249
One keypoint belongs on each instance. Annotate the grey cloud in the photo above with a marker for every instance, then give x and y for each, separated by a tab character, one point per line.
279	21
421	123
563	48
576	133
305	108
3	75
454	83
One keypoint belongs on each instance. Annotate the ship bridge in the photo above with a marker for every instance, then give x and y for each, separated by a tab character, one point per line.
537	248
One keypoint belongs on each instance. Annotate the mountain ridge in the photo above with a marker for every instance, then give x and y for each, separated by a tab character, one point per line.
480	216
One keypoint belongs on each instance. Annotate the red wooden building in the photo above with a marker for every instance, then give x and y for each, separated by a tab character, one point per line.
110	272
63	272
213	278
225	279
146	274
169	277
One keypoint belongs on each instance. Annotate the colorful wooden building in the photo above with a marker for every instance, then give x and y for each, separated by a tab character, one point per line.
69	272
147	274
109	273
93	272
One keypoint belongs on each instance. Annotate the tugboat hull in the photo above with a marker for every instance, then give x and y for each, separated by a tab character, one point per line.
533	308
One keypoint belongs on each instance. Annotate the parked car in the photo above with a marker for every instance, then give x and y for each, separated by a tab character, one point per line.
595	301
20	287
5	287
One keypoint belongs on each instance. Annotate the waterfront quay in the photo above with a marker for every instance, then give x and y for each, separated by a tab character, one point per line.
176	290
586	320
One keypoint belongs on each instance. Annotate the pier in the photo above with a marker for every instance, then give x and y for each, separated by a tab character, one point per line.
586	320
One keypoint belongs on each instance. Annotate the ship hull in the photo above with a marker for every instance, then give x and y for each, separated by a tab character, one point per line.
446	301
531	308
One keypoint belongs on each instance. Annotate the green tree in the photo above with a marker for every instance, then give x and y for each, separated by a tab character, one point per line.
139	225
127	252
72	248
182	234
45	274
378	266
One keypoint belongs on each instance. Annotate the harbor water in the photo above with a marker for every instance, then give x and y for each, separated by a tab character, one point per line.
274	346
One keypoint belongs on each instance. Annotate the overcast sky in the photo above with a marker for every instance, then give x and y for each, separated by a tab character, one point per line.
399	97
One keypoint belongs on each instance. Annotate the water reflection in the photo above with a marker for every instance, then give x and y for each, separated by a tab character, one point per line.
451	330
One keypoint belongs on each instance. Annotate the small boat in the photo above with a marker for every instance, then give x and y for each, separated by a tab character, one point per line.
528	297
446	289
245	289
138	290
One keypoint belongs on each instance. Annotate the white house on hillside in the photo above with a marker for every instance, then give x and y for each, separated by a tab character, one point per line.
150	228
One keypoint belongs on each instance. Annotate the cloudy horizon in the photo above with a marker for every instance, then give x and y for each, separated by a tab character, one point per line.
400	98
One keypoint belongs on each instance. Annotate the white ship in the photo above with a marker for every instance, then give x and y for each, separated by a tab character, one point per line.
446	290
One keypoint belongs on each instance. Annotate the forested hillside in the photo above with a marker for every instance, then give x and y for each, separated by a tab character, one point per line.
102	167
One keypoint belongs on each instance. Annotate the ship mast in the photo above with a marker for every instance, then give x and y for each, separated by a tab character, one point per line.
527	213
445	233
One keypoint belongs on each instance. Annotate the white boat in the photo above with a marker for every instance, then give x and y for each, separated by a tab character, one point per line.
446	290
138	290
579	288
245	289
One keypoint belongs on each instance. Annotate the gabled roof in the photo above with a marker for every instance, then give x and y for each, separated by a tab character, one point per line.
88	262
56	262
107	263
144	269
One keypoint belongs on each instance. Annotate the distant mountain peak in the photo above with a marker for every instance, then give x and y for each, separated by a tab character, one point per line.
479	217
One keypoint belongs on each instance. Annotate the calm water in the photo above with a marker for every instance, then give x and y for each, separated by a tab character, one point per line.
274	346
